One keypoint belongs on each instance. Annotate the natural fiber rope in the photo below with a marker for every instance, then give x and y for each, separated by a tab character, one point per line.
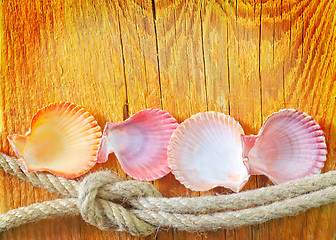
104	200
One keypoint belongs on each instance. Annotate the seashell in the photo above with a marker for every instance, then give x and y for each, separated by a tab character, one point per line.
205	151
63	139
289	145
140	143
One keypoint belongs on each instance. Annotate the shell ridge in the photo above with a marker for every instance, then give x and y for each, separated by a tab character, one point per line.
290	139
197	147
142	142
56	144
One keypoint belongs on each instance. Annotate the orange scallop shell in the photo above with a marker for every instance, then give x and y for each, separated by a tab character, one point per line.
63	139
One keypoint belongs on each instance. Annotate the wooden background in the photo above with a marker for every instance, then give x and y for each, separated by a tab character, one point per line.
243	58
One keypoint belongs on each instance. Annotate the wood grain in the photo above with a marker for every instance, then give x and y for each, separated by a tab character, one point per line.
244	58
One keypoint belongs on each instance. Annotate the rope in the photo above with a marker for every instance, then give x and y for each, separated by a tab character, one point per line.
107	202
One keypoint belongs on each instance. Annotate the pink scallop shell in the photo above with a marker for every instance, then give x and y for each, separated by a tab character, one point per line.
289	145
205	151
140	143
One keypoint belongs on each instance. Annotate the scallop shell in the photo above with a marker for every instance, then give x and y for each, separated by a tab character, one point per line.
205	151
140	143
289	145
63	139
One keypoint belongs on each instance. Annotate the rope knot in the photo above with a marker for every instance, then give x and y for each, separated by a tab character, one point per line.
101	199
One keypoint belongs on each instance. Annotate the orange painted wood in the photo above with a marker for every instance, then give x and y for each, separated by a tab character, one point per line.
244	58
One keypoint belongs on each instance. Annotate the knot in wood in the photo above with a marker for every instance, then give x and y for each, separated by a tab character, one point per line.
102	197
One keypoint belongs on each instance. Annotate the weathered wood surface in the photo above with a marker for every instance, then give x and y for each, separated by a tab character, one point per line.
244	58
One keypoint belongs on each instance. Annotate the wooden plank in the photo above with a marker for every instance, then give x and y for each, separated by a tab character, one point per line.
310	89
215	27
182	74
138	38
50	59
243	61
272	37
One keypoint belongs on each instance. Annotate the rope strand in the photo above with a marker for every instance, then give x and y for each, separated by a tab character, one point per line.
240	200
107	202
62	186
38	211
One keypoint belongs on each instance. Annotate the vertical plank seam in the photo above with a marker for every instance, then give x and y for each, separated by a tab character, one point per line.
145	64
177	79
228	63
305	215
203	54
283	67
274	38
290	35
302	35
157	51
204	68
260	80
141	56
237	26
3	121
290	38
258	181
144	57
190	75
126	107
250	229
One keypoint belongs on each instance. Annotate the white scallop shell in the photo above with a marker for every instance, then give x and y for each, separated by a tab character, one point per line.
205	151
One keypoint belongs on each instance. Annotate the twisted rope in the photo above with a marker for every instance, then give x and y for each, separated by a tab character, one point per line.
107	202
